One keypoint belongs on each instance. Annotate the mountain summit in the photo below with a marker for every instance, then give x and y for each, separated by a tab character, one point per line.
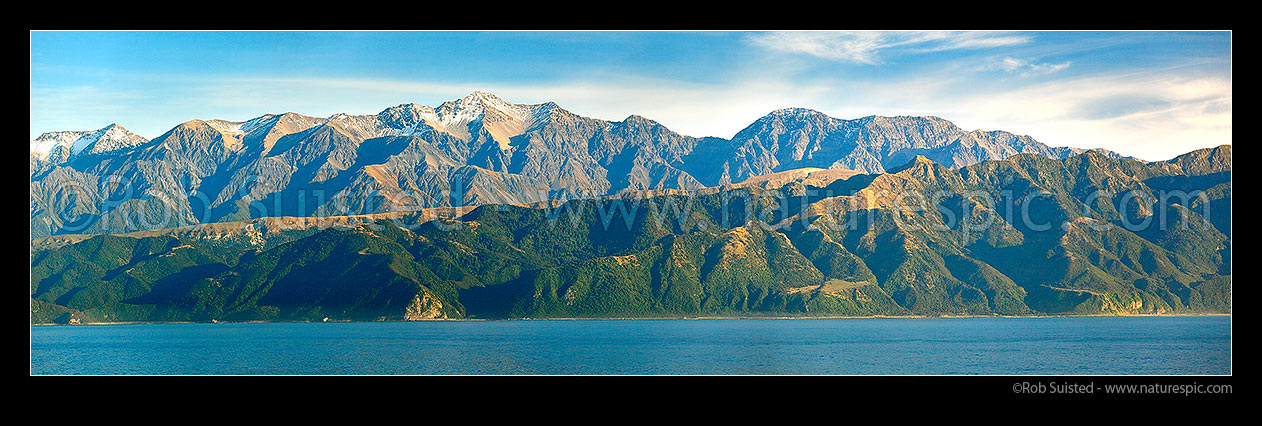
61	146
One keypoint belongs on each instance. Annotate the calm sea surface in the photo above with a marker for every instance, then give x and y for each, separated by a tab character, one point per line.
1138	345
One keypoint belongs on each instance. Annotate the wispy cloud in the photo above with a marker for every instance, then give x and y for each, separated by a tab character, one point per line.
1152	115
865	47
857	47
973	40
1026	67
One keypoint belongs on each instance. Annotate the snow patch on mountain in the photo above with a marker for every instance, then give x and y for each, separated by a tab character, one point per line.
226	127
111	138
256	122
43	146
463	117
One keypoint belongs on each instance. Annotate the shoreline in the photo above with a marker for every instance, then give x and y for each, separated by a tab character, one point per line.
704	318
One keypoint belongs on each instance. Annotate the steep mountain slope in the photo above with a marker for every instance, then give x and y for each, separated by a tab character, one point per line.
1088	234
797	137
475	150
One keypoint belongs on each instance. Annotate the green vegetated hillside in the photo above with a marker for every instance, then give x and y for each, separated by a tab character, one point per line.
1027	235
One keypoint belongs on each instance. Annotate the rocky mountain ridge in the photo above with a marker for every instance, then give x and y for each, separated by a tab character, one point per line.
475	150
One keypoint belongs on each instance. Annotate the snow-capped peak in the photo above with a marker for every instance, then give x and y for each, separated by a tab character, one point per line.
480	99
465	109
793	112
110	138
475	105
59	146
502	119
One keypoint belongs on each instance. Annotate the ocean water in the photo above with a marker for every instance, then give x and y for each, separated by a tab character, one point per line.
1095	345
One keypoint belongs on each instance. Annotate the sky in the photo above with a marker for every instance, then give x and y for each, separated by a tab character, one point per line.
1151	95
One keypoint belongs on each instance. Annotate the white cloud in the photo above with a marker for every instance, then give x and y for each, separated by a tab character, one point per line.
1027	68
1152	116
976	40
857	47
864	47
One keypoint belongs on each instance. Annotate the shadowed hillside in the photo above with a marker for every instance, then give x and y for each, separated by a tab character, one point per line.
1088	234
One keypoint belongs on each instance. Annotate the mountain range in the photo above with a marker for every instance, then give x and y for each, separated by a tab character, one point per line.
1028	234
472	151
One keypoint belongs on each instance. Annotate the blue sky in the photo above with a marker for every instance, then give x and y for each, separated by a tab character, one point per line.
1152	95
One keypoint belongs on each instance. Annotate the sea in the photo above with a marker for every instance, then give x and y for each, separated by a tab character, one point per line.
1149	345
